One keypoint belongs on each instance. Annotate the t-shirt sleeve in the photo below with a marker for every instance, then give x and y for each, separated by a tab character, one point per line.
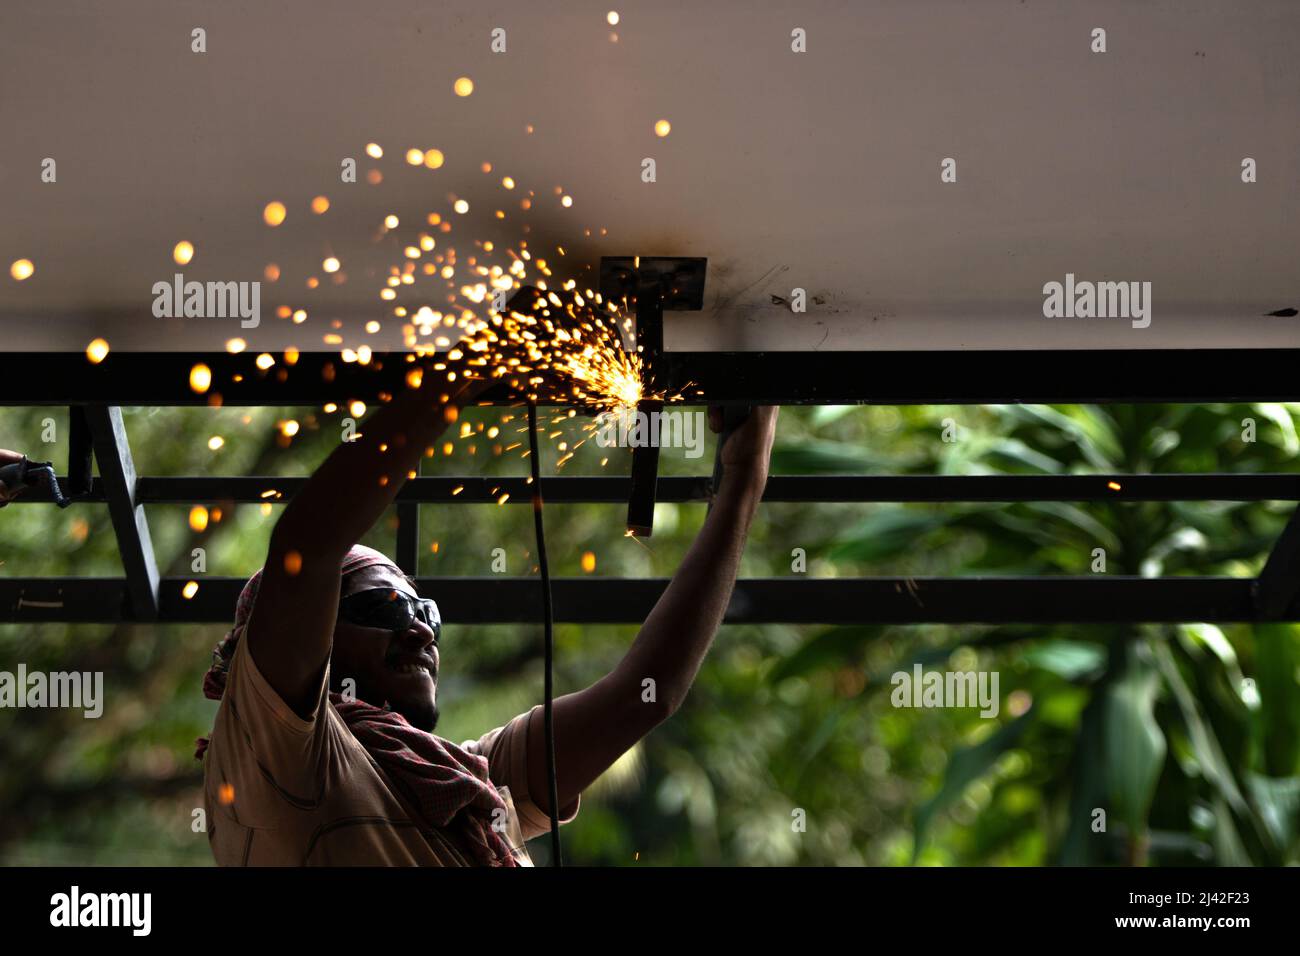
506	750
265	755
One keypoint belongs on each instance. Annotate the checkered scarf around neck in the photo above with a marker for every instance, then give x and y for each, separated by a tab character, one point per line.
448	788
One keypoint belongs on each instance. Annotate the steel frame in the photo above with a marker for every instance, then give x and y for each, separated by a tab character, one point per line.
785	378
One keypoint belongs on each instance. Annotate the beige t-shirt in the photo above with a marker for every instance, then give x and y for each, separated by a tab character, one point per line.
283	791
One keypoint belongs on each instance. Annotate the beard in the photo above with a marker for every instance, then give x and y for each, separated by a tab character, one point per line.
422	715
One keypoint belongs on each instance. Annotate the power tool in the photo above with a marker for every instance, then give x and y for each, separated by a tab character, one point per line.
31	474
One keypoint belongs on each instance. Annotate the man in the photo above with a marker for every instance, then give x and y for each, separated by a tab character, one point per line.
323	751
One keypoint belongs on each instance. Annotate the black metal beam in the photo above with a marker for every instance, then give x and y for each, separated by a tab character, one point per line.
785	378
974	377
1277	589
65	600
113	452
645	458
592	600
602	489
80	478
408	537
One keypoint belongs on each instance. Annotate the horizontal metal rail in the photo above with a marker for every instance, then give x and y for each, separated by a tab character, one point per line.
601	489
1275	595
1094	599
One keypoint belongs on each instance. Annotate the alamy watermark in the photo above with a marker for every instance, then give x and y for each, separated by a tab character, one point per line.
208	300
75	908
946	689
1098	300
633	428
73	689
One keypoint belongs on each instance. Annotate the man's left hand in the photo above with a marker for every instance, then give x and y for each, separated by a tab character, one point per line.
749	448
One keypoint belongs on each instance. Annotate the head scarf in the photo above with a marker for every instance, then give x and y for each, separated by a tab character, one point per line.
214	681
447	787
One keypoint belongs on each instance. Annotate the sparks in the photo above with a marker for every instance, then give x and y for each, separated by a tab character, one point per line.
556	341
97	351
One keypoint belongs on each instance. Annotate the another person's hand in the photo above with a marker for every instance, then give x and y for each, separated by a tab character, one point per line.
7	494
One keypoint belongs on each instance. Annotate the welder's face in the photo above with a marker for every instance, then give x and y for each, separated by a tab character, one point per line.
386	641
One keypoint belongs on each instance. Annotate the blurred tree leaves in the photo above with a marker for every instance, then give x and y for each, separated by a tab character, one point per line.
1189	737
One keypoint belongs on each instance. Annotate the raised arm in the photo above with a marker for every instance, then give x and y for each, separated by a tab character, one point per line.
293	618
595	726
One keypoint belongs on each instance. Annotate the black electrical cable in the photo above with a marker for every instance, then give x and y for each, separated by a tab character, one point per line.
548	620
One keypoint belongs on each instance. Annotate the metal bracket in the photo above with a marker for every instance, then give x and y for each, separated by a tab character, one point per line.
680	279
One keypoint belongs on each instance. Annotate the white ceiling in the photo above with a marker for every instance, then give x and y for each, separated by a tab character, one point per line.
816	170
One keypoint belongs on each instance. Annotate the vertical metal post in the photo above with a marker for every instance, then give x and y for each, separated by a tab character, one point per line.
408	536
645	458
80	454
116	468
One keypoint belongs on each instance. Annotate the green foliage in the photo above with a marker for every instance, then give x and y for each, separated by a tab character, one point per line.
1187	737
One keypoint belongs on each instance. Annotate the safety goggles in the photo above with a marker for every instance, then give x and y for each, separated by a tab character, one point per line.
390	610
